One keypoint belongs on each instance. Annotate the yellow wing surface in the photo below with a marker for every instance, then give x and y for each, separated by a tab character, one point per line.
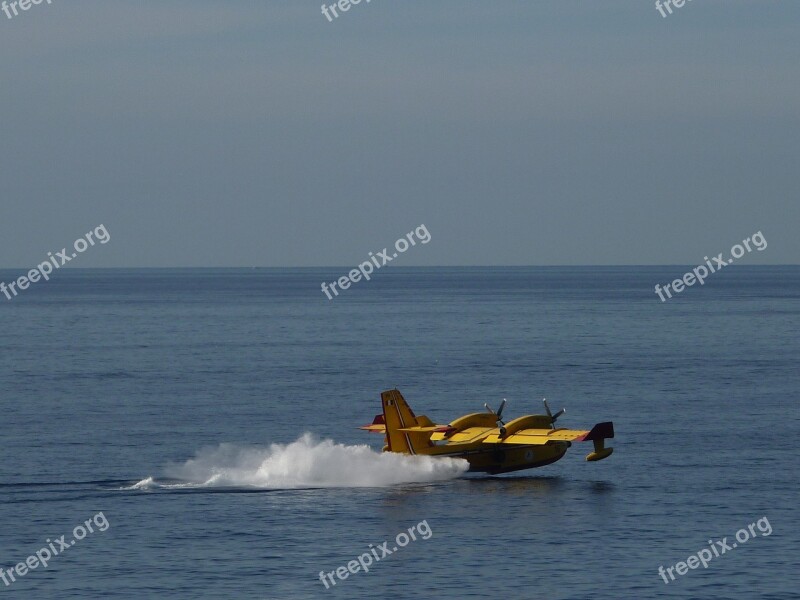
539	437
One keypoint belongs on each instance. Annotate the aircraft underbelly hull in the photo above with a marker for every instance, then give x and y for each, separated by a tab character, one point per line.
504	459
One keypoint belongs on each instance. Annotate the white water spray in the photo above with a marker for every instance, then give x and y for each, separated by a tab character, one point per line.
307	462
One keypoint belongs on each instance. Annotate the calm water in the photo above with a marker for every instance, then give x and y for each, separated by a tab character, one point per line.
110	378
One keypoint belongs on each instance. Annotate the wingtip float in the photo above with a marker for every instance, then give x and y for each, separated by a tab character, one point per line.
483	439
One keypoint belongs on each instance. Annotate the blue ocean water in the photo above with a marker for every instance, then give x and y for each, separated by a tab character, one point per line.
175	402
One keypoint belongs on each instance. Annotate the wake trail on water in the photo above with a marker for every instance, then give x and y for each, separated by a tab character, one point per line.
306	463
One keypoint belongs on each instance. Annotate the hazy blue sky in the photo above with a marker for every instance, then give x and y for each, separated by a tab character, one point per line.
243	133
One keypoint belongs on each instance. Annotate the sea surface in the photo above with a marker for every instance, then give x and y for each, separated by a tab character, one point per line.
211	416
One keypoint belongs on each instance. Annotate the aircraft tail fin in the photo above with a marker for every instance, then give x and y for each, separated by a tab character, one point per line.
397	416
598	435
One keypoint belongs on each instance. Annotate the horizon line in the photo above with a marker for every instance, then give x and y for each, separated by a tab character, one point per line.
350	267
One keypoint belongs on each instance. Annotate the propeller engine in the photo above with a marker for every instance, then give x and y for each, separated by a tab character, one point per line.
499	414
552	416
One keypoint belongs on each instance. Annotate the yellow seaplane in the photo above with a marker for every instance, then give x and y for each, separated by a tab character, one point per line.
483	439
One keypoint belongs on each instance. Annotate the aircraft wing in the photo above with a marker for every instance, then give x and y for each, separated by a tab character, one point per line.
540	437
470	434
426	429
378	425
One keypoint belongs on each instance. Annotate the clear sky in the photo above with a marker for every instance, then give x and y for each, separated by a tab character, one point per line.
242	133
